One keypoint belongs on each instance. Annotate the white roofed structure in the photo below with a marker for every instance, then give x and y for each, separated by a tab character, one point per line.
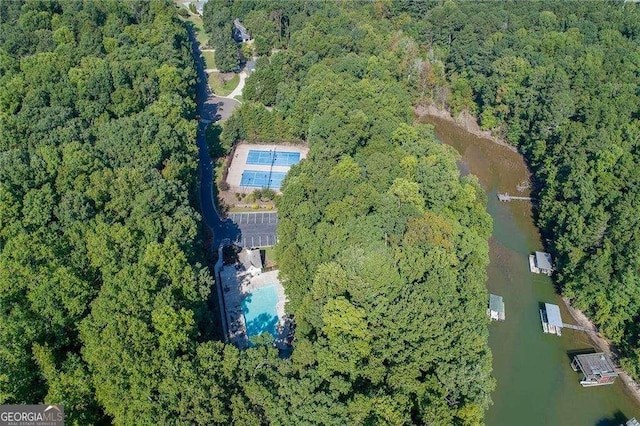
553	315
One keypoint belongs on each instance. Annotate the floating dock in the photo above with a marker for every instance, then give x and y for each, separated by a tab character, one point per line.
532	264
506	198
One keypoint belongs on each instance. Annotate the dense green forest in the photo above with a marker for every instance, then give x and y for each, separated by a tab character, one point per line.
102	297
103	294
382	246
560	80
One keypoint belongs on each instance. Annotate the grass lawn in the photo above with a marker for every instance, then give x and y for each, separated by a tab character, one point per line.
220	88
218	169
201	35
209	59
196	20
270	255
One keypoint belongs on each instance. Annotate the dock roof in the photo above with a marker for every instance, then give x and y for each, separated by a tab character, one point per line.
496	303
553	315
543	260
596	364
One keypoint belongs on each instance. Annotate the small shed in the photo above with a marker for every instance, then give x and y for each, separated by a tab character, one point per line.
251	261
496	308
543	262
598	369
632	422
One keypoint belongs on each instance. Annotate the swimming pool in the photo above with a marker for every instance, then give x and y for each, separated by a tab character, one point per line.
259	308
275	158
256	179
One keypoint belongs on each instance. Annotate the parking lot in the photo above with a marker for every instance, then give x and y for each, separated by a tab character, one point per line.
255	229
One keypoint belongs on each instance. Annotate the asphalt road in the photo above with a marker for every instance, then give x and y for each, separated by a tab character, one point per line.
246	229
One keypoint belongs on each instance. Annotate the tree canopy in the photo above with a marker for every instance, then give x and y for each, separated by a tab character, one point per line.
103	293
560	81
382	245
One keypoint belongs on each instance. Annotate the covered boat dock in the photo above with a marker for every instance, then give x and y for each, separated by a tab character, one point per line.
551	319
541	263
598	369
496	308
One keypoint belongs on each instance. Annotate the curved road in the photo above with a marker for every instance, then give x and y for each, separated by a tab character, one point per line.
250	229
210	109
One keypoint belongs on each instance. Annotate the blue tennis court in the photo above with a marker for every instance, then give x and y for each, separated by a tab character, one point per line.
255	179
275	158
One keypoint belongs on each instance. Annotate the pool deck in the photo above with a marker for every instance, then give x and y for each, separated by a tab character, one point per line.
239	163
236	285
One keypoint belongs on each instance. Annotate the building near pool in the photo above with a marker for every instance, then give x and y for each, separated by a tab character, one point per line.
254	301
262	166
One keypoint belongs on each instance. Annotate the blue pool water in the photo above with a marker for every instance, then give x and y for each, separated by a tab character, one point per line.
275	158
259	308
255	179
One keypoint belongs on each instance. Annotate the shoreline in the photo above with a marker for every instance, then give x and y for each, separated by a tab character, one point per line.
463	120
469	124
631	387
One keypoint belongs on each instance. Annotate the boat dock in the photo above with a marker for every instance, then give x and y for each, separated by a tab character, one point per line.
541	263
496	308
551	320
506	197
597	368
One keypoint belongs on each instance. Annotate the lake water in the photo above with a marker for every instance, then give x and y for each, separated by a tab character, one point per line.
535	382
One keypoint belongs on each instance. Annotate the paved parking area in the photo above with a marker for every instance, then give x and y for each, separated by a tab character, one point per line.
254	229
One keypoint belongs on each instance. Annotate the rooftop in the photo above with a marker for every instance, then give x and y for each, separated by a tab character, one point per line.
596	364
496	303
553	315
250	258
543	260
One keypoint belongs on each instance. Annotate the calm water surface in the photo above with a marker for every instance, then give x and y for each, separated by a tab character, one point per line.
536	385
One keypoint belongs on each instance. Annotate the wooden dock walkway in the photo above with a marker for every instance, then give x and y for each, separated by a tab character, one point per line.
506	197
575	327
